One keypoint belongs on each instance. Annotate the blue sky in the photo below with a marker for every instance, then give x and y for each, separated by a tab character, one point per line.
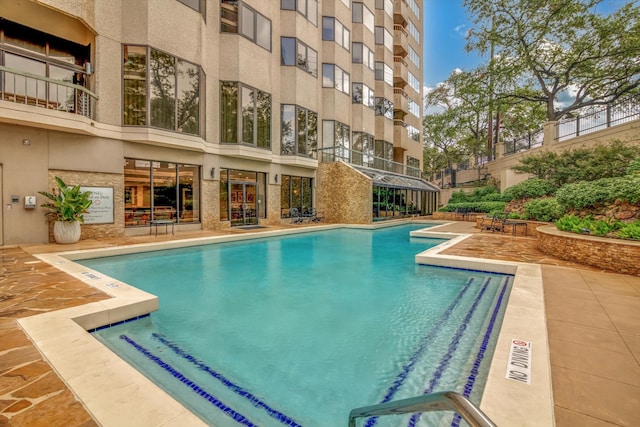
445	25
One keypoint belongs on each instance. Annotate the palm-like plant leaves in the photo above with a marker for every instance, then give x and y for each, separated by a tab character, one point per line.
67	203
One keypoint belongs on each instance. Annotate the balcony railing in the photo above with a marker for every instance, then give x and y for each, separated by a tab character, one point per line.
44	92
358	158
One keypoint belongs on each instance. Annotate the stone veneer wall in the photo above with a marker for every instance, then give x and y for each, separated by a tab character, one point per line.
273	206
93	179
343	194
210	205
618	255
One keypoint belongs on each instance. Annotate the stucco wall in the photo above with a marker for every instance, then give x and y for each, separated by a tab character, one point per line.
611	254
345	195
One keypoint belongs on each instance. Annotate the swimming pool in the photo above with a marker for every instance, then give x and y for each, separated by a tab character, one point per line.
298	330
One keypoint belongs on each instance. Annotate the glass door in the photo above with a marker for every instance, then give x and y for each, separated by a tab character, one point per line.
242	198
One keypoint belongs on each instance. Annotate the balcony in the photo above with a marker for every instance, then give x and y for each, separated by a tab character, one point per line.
358	158
401	138
43	92
400	72
400	41
400	12
400	100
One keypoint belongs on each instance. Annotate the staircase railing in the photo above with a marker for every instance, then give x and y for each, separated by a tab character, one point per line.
442	401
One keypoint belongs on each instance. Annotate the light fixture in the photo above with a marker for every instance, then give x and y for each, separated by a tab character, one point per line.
213	172
26	142
276	178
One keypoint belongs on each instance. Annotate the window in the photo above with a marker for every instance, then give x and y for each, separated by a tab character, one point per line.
295	192
253	25
412	162
294	52
242	195
414	57
414	108
361	54
414	82
414	7
160	190
307	8
246	115
362	152
383	155
384	72
362	94
299	131
387	5
383	36
384	107
415	33
333	30
360	14
414	133
336	135
334	76
170	100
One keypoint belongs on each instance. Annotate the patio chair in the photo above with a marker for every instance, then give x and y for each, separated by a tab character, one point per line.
315	216
296	216
461	212
497	223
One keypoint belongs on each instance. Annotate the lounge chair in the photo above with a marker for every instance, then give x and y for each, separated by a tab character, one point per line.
296	216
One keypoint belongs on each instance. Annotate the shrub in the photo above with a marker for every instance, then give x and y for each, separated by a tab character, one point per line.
474	206
583	195
630	231
544	209
487	193
530	189
634	167
459	197
598	227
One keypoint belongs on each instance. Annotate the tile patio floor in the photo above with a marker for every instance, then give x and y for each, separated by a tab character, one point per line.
593	319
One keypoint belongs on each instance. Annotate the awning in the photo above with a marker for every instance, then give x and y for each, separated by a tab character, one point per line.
389	179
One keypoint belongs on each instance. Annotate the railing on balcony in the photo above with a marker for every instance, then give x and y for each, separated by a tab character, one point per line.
358	158
398	91
401	60
400	28
600	117
44	92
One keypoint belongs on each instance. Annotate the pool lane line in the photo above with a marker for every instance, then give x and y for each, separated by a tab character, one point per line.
453	345
417	354
255	401
471	379
238	417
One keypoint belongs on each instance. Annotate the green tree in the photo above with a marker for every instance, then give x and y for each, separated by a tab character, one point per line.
547	49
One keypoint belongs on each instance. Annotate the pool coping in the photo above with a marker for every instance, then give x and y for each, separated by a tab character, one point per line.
115	393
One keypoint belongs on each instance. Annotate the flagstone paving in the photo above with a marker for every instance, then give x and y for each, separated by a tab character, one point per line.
593	319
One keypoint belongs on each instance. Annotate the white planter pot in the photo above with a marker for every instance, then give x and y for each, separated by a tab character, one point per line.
66	232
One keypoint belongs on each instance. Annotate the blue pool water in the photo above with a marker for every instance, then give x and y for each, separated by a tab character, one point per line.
299	330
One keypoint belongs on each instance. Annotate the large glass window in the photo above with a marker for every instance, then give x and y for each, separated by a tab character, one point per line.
242	196
296	192
362	149
338	136
384	72
384	107
383	36
336	77
253	25
413	30
362	15
299	131
296	53
161	191
245	113
307	8
362	94
414	82
333	30
361	54
414	57
387	5
160	90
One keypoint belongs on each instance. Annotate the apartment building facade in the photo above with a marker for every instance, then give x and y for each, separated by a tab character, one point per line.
210	114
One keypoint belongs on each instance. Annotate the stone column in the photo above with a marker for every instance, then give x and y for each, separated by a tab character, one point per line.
550	132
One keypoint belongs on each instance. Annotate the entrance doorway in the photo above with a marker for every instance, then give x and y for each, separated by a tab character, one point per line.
243	203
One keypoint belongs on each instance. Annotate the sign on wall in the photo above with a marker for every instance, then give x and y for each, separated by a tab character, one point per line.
101	210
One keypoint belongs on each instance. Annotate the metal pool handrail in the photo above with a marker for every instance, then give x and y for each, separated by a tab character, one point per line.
442	401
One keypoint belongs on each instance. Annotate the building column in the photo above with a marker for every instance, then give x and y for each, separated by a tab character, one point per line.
550	132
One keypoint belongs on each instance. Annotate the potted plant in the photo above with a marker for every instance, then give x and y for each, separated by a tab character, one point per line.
67	206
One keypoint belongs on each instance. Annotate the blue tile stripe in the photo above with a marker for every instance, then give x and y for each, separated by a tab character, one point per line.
255	401
471	379
453	345
99	328
236	416
417	354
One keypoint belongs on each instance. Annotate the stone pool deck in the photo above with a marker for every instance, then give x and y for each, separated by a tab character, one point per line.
593	320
